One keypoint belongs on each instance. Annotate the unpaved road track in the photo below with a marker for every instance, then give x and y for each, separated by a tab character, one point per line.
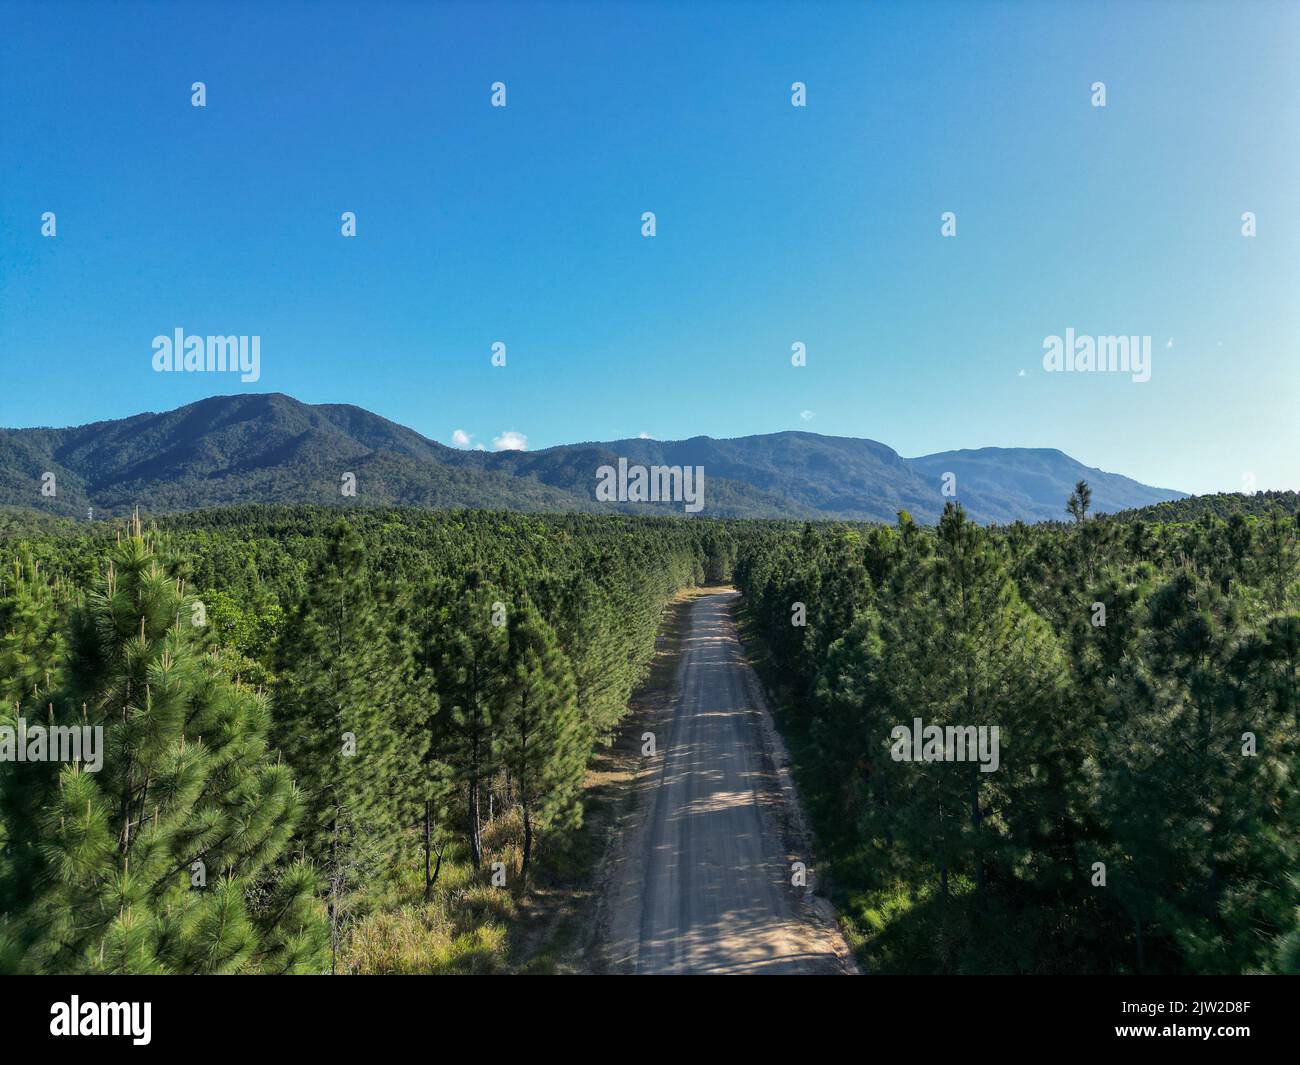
703	884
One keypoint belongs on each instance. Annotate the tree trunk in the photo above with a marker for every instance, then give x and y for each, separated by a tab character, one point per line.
475	841
975	815
428	880
528	842
334	898
943	861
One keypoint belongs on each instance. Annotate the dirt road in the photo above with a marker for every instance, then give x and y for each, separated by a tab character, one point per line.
704	881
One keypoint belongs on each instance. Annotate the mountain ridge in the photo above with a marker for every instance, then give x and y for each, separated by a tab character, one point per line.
269	447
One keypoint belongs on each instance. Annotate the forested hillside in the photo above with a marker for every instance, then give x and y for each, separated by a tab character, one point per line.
1145	679
226	450
1218	505
329	745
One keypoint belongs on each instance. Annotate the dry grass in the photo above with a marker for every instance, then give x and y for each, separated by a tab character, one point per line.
423	939
464	928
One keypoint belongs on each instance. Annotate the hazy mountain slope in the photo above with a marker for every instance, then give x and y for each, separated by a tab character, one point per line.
826	476
846	477
1006	483
270	448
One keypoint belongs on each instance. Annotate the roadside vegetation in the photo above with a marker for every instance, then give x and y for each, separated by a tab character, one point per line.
351	745
374	741
1144	675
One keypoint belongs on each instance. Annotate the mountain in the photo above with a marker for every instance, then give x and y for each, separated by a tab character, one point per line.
270	448
1011	482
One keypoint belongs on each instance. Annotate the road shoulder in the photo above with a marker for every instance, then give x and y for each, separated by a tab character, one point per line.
790	821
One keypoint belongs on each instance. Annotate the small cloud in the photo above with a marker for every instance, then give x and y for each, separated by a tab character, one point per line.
1169	343
807	415
480	447
1021	373
644	436
510	441
460	438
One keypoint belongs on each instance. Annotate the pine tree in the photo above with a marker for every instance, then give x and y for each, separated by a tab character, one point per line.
843	591
424	784
1286	947
603	671
719	548
416	777
350	725
959	648
32	650
1197	763
848	710
1278	565
169	858
1079	501
467	652
31	643
545	742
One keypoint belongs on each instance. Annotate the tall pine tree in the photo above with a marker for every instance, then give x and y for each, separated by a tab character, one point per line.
467	652
31	660
170	858
351	724
545	741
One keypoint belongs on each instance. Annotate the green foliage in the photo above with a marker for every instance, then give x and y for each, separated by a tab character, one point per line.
476	657
469	660
352	724
467	650
545	743
173	856
31	640
32	651
1144	677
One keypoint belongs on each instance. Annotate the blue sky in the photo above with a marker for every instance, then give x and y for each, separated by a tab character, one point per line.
775	224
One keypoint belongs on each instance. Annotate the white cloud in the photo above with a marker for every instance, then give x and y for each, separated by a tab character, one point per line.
644	436
807	415
1169	343
510	441
461	438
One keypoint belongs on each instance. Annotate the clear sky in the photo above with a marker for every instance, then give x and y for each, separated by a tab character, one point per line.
775	224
